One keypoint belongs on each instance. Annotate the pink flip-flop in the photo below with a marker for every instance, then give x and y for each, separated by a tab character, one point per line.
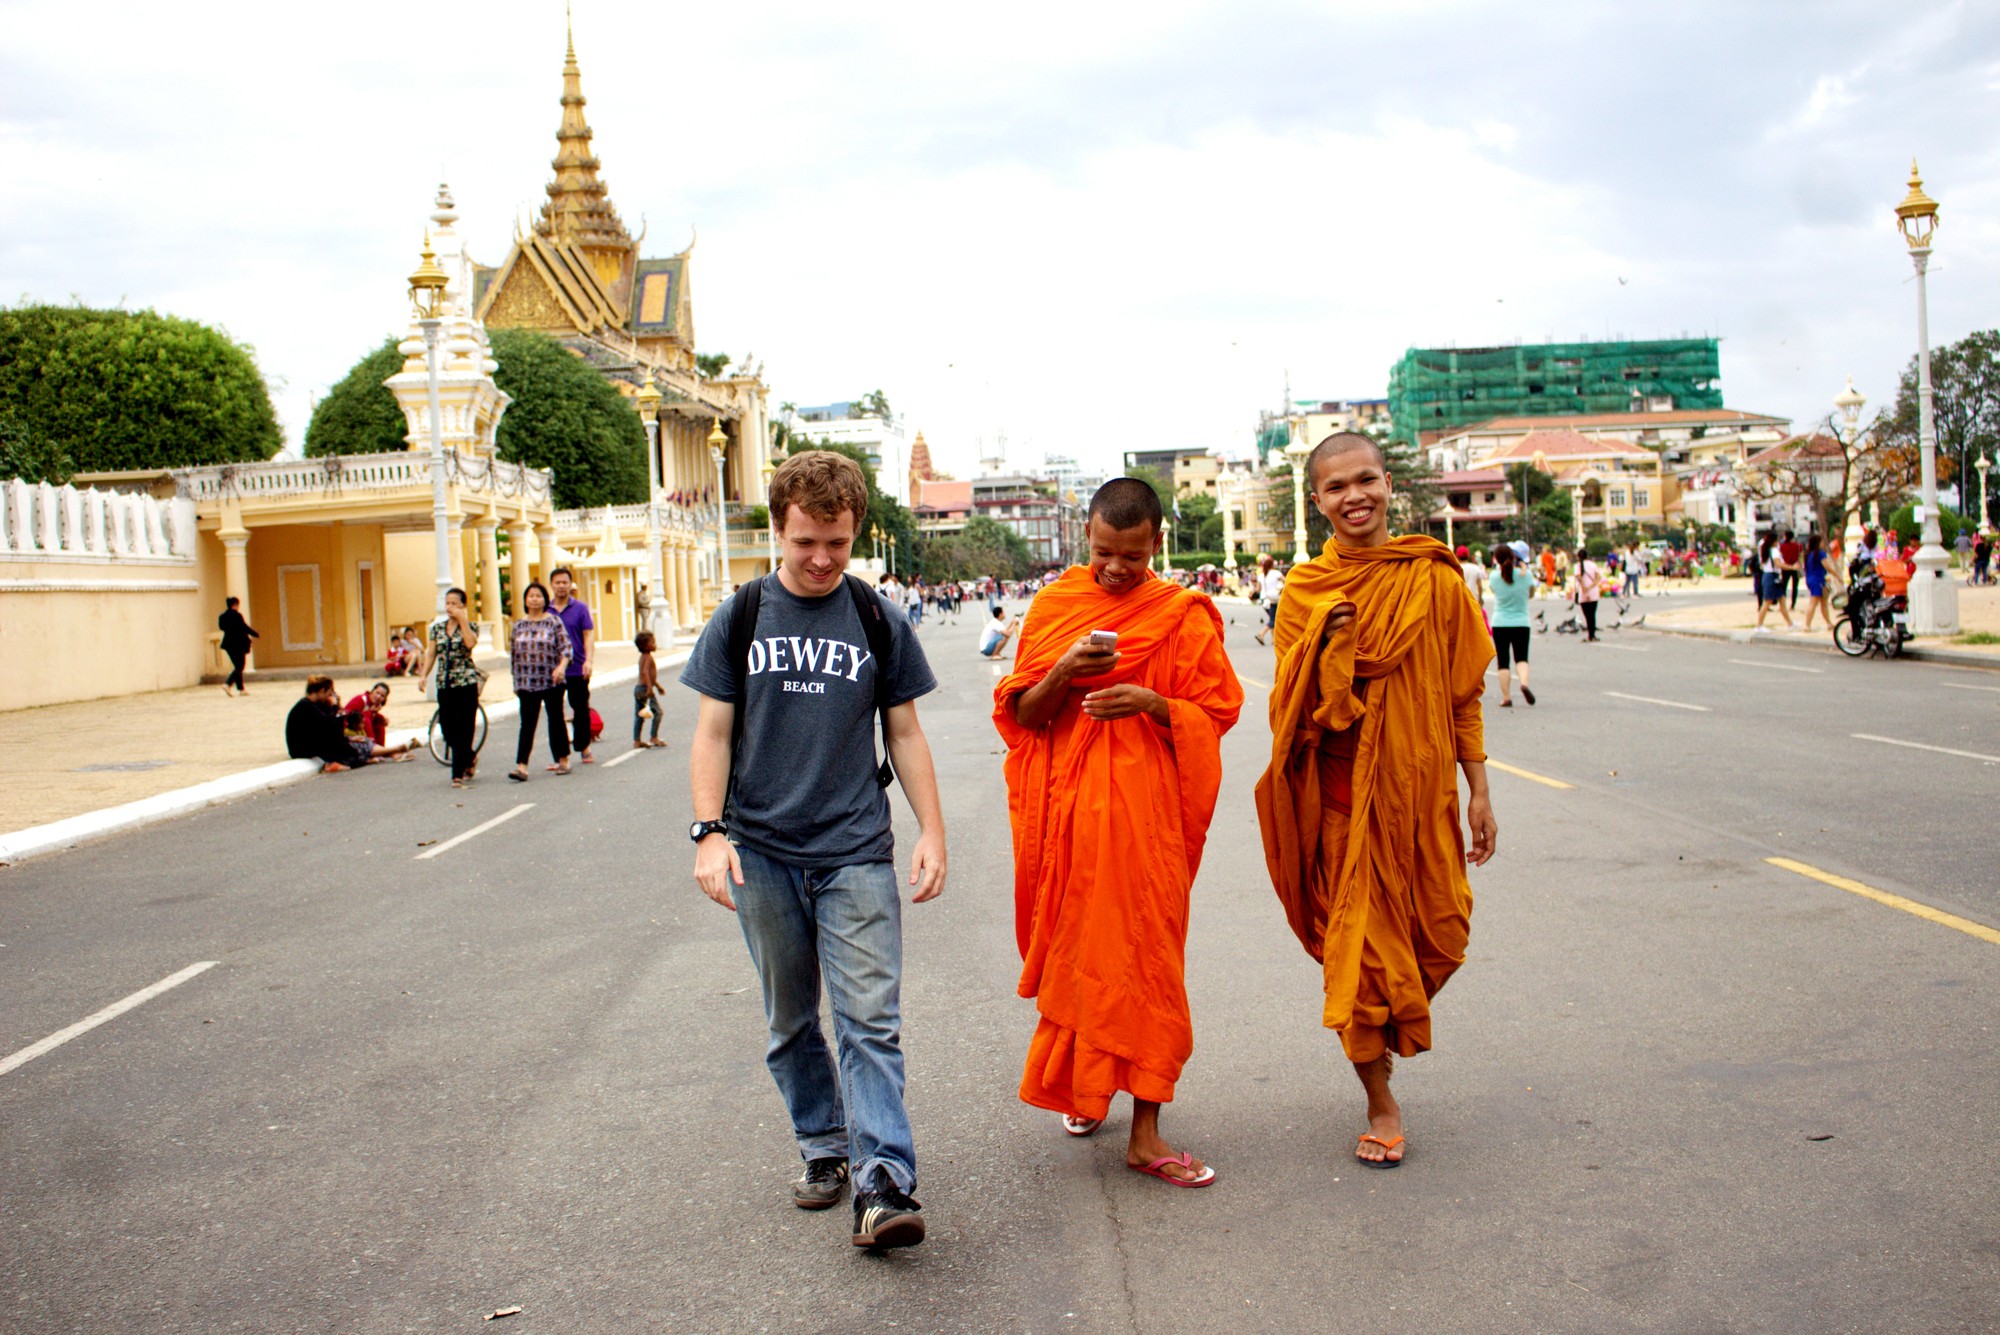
1183	1160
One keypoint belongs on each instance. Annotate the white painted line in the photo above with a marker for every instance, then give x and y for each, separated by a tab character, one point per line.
1964	686
111	1012
616	761
472	833
1670	704
1623	648
1921	746
1775	667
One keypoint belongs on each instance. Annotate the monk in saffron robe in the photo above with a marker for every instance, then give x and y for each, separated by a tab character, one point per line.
1113	765
1382	659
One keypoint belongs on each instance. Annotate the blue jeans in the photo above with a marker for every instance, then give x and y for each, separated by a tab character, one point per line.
844	924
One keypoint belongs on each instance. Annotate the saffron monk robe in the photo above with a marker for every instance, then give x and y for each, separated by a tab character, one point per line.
1113	764
1382	659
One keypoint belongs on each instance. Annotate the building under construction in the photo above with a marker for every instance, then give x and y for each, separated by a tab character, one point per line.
1435	389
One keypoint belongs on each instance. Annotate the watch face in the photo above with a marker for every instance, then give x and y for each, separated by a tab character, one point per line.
694	830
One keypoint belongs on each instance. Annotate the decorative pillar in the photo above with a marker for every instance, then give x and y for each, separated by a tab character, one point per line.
517	563
236	567
490	609
690	597
668	595
545	553
464	555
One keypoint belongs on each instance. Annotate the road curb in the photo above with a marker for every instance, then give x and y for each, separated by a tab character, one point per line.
54	837
1949	657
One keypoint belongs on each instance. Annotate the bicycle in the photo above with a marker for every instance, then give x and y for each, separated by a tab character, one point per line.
434	736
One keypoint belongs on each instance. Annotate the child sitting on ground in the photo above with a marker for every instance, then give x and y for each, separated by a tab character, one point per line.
646	692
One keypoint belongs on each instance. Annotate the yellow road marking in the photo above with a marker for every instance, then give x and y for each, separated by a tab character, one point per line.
1924	911
1527	774
1248	681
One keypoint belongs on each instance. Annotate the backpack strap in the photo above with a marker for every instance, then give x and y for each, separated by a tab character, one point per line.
743	607
881	643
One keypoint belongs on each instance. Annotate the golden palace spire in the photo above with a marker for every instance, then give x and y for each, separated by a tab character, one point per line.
579	207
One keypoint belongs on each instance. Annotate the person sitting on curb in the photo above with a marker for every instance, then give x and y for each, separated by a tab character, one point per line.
363	715
993	640
314	731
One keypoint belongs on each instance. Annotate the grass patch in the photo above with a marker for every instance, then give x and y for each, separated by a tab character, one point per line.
1976	637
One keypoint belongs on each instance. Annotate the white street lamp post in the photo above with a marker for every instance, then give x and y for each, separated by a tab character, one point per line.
1985	462
1297	452
1227	495
717	443
1933	597
1849	402
427	287
647	400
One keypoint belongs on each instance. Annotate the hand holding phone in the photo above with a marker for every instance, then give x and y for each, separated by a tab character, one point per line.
1104	639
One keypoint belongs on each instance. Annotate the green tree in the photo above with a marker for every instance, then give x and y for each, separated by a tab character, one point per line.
108	389
711	364
873	404
564	417
26	453
1908	530
983	547
1965	404
359	415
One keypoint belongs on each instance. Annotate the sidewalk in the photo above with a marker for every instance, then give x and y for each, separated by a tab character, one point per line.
69	760
1978	611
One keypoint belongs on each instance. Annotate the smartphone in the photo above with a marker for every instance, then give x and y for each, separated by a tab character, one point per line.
1104	639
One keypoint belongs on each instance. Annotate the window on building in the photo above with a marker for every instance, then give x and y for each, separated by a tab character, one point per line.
1264	548
1641	498
1617	498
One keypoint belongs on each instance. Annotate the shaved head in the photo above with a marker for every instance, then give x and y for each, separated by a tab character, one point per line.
1125	503
1340	442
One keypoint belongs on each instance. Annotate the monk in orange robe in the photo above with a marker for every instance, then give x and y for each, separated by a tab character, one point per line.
1382	659
1114	761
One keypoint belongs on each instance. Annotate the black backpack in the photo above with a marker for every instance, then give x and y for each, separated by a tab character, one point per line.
743	629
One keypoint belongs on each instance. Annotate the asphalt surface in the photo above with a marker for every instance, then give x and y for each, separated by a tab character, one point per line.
1676	1088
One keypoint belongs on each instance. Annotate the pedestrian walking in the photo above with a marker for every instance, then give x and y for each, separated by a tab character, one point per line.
453	638
1589	585
1114	750
1771	561
1631	567
539	657
236	636
1372	708
574	613
1815	565
1270	584
1982	558
1475	575
1791	556
646	692
1511	587
792	833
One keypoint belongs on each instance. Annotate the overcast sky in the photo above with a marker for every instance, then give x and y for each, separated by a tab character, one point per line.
1090	227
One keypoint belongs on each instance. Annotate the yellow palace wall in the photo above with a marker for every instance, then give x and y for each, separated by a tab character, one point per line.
85	644
305	594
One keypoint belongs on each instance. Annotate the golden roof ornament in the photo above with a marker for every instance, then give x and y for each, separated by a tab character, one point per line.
1917	214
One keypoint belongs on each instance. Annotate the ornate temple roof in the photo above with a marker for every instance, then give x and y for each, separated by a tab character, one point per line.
579	208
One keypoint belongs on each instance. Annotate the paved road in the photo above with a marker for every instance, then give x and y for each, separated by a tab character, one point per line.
1677	1088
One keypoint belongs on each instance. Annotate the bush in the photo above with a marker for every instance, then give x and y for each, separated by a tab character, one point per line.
1904	524
108	390
359	415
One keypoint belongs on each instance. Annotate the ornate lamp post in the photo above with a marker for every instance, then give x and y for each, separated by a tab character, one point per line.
427	286
647	400
1985	462
1297	452
1933	597
718	441
1226	493
771	520
1849	403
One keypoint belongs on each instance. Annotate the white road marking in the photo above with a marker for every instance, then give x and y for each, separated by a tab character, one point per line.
619	760
1775	667
111	1012
1623	648
1670	704
1967	686
1922	746
472	833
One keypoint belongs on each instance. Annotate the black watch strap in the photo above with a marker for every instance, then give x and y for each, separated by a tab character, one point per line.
701	829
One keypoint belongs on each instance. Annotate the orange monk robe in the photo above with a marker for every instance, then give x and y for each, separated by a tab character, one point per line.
1378	895
1109	821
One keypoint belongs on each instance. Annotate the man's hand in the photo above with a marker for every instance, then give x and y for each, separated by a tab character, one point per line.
1485	830
715	866
1123	701
1085	659
927	867
584	671
1342	613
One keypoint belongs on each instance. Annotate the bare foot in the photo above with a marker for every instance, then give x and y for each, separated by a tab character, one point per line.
1385	1115
1146	1146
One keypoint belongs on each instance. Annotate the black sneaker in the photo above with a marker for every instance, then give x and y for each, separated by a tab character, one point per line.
822	1184
887	1218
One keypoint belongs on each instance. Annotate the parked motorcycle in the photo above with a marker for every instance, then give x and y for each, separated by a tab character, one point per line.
1874	621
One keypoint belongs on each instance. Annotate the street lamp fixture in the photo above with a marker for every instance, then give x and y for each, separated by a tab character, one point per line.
427	289
1848	403
1933	597
647	401
1985	463
1297	452
718	443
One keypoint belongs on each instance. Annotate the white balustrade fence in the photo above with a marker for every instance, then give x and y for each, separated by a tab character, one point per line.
39	521
334	475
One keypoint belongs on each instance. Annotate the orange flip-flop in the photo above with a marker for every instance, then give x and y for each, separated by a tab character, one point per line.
1386	1145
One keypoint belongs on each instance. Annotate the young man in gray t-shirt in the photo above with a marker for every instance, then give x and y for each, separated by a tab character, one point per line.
802	836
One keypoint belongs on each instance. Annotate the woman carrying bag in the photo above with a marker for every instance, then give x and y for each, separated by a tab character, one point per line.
540	659
453	638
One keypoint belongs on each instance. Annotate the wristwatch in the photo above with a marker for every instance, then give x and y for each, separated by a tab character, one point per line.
701	829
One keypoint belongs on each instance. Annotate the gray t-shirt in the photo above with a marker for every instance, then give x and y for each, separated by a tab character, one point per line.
806	791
